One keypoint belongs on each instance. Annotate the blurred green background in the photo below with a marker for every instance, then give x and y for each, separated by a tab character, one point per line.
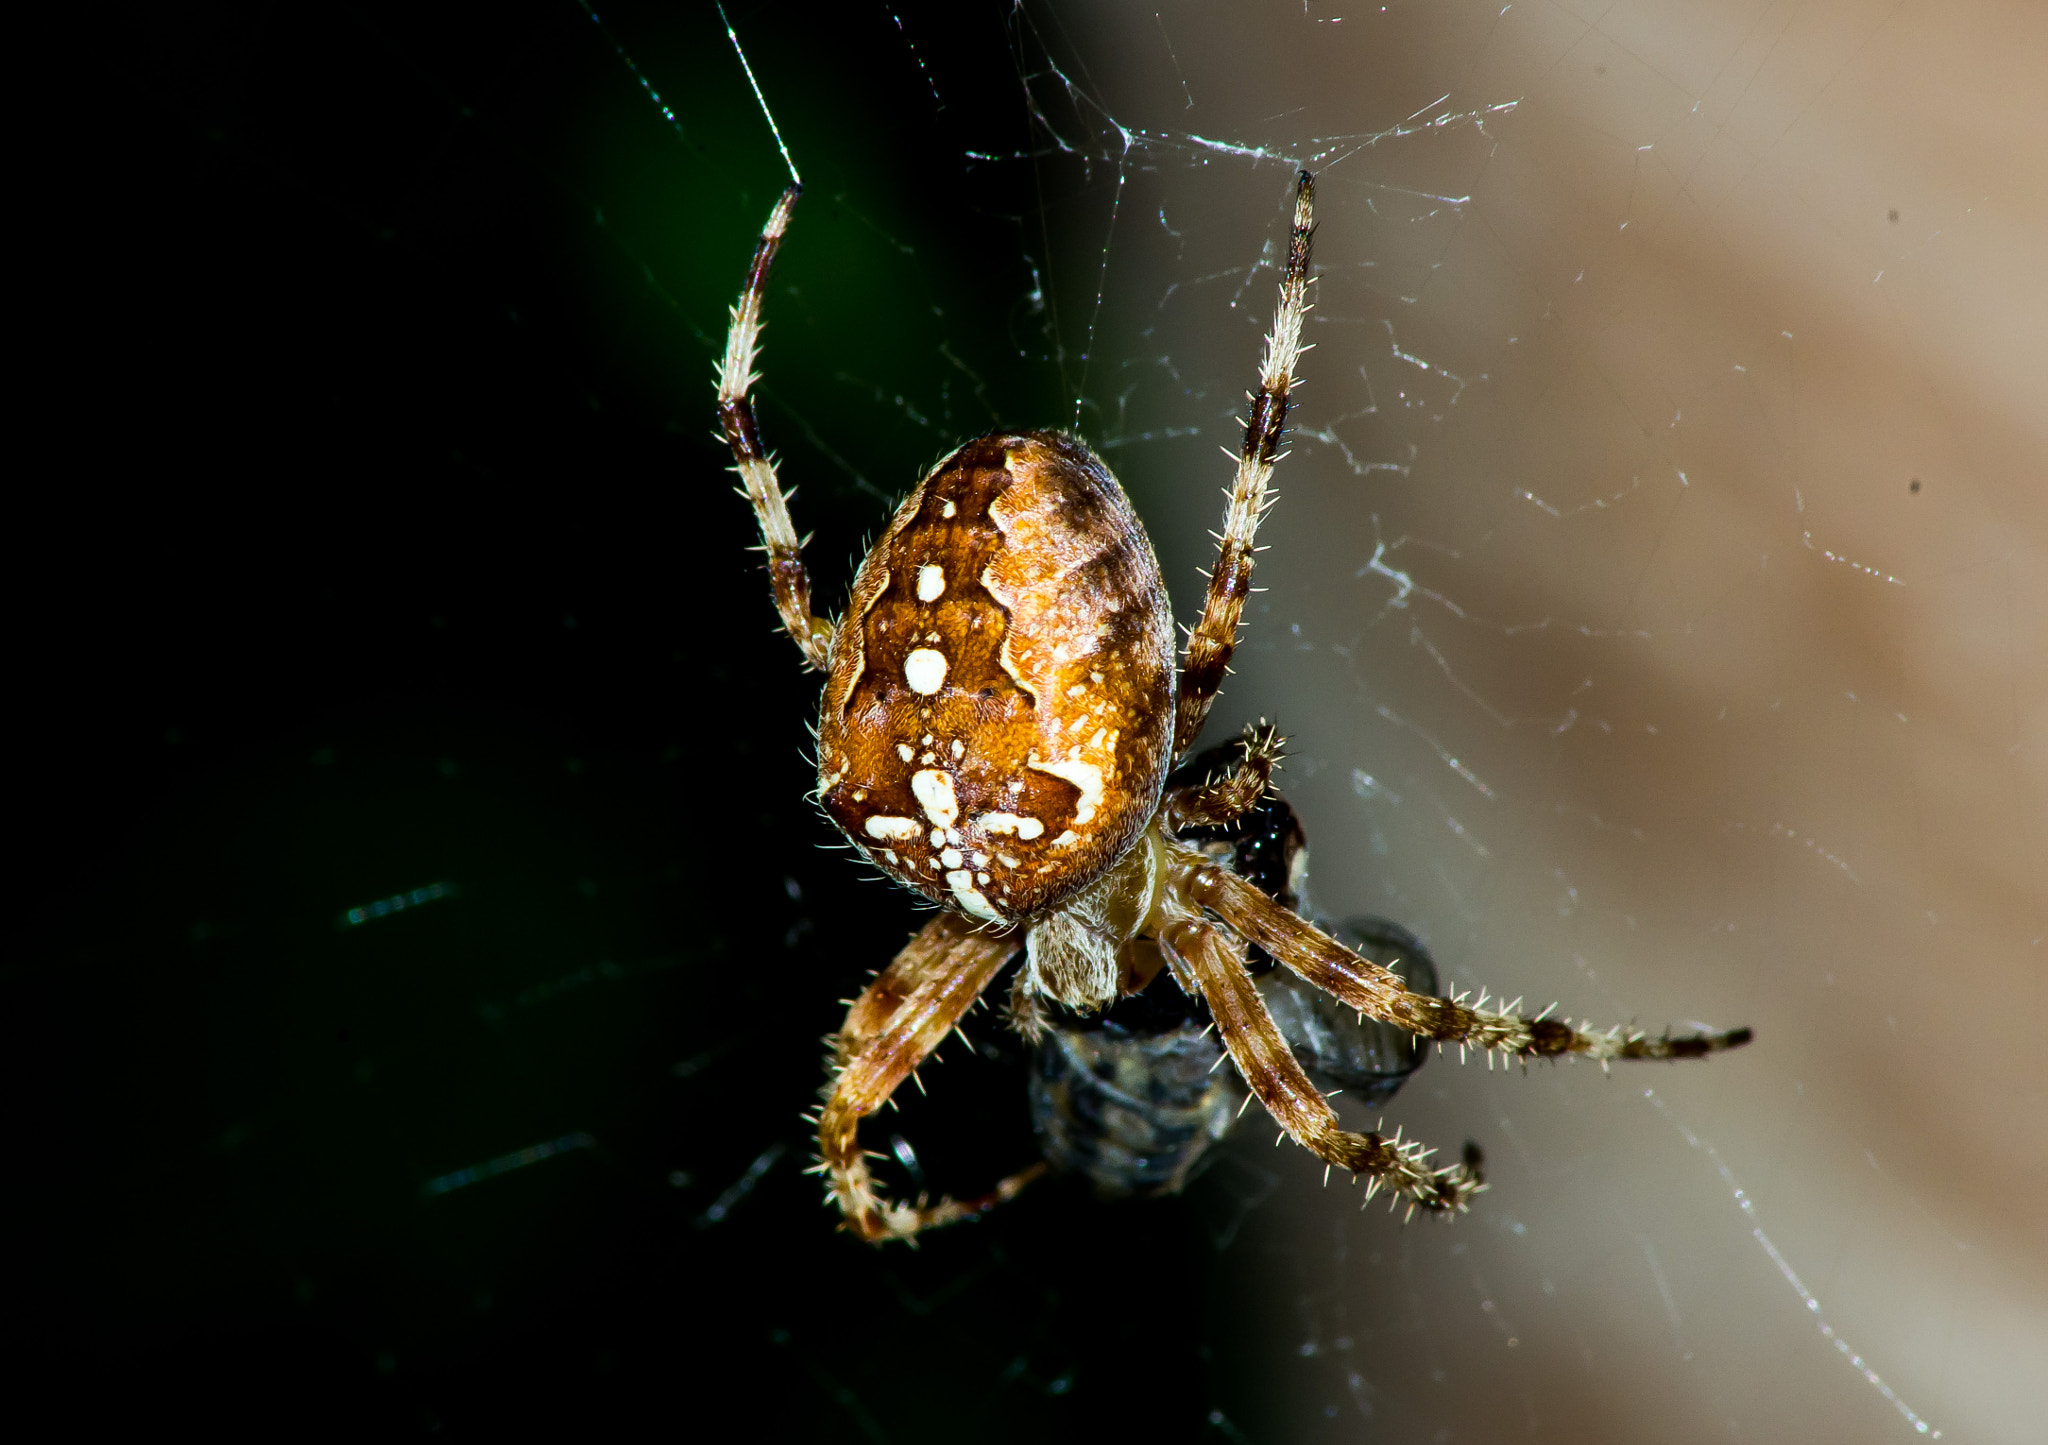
390	554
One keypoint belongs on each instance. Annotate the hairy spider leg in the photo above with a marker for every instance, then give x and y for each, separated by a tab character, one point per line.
1230	580
736	375
1236	793
867	1015
1378	992
923	994
1208	962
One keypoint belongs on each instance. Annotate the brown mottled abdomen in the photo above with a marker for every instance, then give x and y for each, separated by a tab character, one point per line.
998	718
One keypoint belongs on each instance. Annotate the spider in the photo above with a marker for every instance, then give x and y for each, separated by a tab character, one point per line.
999	719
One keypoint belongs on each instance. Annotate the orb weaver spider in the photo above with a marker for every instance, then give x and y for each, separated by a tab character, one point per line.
1000	716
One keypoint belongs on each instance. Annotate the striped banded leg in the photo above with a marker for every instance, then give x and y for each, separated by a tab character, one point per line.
786	571
1378	992
891	1029
878	1002
1208	962
1230	580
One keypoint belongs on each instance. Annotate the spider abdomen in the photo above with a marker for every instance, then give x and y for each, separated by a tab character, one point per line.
999	712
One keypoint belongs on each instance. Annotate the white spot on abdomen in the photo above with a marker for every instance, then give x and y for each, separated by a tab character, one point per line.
931	581
901	830
962	884
934	792
1085	776
925	670
1023	827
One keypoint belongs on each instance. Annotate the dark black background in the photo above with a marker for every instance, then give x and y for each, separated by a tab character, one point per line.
376	537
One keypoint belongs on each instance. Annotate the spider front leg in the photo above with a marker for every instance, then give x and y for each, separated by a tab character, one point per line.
1373	990
1230	580
786	572
1212	965
893	1027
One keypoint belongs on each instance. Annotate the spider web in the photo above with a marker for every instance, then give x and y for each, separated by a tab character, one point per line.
1653	601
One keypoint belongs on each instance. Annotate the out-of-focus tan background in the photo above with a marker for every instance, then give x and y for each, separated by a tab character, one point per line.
1683	369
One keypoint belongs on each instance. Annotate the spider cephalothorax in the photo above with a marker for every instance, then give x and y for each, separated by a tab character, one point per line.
1000	715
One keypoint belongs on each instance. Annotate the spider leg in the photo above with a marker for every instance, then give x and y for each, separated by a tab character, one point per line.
893	1027
1223	802
786	572
1230	580
1371	989
1208	961
866	1015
